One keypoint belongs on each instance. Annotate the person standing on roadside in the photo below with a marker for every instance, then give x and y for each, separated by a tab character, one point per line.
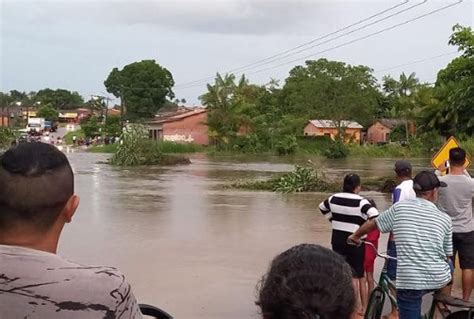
456	201
423	235
347	211
404	191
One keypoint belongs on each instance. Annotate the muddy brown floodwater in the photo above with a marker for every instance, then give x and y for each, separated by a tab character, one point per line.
187	244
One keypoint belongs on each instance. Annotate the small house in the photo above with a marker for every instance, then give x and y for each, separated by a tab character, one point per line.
380	130
184	127
329	128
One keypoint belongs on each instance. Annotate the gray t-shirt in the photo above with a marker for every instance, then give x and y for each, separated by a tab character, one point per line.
456	200
37	284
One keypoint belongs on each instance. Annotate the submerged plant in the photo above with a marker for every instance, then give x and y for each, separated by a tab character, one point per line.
303	179
137	149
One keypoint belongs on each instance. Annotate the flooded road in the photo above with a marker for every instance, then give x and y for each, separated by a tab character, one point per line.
187	244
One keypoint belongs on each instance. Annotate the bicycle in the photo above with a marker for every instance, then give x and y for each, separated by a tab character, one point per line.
152	311
440	303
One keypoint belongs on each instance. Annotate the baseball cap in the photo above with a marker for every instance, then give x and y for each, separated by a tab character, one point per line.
402	166
426	181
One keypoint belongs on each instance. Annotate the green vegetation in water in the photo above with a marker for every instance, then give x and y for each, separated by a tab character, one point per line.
306	179
109	148
165	147
7	136
302	179
168	147
137	149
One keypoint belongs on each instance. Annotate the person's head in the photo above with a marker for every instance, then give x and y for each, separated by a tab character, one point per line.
426	185
351	184
307	282
457	157
403	169
36	191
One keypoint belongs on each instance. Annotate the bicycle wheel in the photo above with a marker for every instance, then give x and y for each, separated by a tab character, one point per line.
153	311
463	314
375	305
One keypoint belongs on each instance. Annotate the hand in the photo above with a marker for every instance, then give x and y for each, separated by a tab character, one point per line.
443	167
354	240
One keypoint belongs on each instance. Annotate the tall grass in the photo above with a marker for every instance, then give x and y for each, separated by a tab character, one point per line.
168	147
68	137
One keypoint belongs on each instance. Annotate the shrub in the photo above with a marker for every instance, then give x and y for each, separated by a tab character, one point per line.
7	136
286	145
137	149
336	149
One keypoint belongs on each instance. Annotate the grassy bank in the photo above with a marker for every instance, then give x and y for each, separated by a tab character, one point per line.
68	137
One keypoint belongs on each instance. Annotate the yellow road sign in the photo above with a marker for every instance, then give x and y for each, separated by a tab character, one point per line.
443	154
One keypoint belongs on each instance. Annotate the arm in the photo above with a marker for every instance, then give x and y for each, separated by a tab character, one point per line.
325	208
396	195
366	228
448	241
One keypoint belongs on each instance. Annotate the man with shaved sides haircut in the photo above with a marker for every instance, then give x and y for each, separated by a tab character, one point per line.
36	200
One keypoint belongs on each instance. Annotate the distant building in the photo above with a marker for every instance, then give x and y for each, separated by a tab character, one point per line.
380	130
352	130
183	127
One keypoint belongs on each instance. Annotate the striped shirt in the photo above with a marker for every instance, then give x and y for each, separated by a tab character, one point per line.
347	212
424	241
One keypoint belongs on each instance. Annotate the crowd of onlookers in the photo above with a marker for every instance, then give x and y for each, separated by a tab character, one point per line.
304	282
96	140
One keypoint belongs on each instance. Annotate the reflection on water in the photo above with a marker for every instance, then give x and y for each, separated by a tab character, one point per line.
187	244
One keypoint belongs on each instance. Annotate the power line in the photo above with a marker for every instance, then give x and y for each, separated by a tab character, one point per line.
342	35
416	62
353	41
363	38
306	43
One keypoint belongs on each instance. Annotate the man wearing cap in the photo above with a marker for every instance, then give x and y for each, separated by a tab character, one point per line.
456	200
423	235
402	192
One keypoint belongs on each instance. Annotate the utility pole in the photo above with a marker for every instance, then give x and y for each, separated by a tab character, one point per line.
122	107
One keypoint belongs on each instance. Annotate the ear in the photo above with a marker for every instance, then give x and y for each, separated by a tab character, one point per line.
70	208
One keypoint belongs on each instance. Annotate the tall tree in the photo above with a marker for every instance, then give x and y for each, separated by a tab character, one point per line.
142	86
454	89
330	90
402	96
59	98
48	112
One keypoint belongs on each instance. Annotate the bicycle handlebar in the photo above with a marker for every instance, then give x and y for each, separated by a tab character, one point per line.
384	256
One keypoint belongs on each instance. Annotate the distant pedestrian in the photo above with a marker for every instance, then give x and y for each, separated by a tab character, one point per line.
74	140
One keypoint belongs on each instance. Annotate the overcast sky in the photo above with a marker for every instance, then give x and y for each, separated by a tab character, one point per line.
75	44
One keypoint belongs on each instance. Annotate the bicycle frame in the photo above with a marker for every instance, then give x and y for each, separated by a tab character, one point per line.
384	285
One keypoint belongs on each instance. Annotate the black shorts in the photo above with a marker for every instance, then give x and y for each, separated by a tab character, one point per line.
353	255
463	243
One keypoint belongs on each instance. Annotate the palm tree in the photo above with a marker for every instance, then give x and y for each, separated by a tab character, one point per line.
218	101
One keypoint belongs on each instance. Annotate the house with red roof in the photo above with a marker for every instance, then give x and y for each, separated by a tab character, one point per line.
189	126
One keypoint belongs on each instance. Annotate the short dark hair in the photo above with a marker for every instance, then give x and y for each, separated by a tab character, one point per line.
351	182
36	181
307	281
457	156
403	168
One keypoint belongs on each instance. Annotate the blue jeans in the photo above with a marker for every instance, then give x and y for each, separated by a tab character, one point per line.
409	303
392	264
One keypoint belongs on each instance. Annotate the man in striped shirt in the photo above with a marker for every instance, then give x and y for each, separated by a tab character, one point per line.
347	211
424	243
